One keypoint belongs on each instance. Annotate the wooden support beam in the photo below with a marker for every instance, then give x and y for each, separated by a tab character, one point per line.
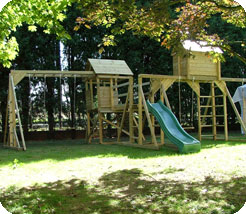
223	88
99	113
235	108
148	118
213	111
167	83
18	113
195	86
140	111
20	74
116	126
123	118
130	108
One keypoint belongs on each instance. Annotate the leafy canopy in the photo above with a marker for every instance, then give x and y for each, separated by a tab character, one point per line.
167	21
47	13
170	22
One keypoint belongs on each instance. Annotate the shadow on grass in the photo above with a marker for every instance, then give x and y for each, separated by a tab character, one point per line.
128	191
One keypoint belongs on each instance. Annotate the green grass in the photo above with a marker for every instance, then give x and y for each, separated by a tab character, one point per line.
71	177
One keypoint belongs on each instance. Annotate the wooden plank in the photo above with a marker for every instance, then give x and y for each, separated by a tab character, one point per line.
199	114
140	112
167	83
17	77
18	113
53	73
116	126
155	86
136	124
121	85
12	115
88	133
241	80
106	66
195	86
123	118
148	118
130	91
16	138
213	111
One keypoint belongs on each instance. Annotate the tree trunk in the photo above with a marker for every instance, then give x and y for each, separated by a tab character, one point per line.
4	76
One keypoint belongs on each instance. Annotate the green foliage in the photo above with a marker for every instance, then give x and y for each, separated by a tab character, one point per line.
157	19
46	13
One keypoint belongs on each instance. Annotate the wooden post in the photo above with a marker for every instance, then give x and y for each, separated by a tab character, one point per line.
152	100
18	113
213	111
130	93
111	93
152	131
99	113
225	117
123	117
199	114
12	116
140	112
88	128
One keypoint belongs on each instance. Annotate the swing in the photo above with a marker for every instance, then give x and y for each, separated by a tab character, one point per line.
46	125
74	101
30	104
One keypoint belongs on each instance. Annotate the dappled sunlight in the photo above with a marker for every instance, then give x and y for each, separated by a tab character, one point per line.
128	191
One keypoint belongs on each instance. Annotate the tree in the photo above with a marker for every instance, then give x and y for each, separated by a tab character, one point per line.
46	13
157	19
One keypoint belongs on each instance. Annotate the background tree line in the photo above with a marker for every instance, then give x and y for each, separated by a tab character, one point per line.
41	51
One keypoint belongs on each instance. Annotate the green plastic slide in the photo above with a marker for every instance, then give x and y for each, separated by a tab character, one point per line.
172	128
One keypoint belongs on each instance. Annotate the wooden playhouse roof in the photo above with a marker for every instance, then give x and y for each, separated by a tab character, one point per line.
199	46
110	67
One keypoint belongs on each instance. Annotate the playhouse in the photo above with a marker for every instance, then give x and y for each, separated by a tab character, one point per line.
114	99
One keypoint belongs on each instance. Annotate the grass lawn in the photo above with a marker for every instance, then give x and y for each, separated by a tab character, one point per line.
67	177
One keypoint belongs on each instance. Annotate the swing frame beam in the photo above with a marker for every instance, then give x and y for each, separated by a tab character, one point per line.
11	139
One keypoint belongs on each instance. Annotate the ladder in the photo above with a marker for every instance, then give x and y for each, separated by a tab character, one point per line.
208	116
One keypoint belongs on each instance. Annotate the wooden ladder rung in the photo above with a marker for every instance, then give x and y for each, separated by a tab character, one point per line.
220	115
220	125
219	106
206	125
205	96
207	135
206	106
